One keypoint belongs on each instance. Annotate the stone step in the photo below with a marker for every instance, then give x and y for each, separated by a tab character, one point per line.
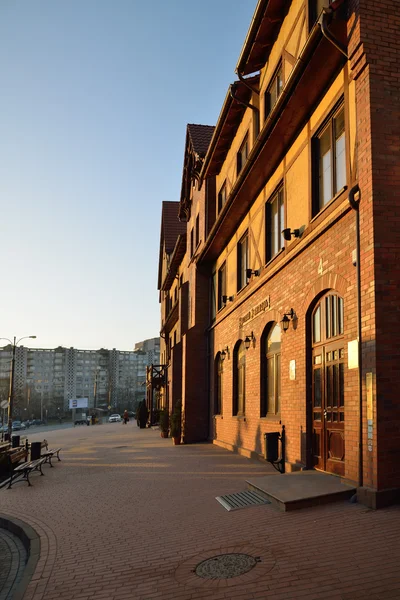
292	491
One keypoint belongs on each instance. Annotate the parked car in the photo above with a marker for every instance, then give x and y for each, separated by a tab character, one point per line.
115	419
17	426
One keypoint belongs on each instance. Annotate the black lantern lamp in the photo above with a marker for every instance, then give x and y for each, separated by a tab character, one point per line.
248	339
224	353
287	317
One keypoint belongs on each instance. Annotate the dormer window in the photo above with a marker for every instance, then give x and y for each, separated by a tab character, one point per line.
273	91
242	155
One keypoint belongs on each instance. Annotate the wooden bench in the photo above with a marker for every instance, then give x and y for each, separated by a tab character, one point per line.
22	471
49	452
4	446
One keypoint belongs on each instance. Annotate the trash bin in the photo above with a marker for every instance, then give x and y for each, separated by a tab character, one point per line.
15	441
35	450
271	449
6	437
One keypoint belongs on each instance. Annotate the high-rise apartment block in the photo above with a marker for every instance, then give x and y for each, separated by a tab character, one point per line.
46	379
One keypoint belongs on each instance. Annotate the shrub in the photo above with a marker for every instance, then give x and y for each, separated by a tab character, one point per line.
176	420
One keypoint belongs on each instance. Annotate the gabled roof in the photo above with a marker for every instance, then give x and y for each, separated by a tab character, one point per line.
197	141
171	229
200	136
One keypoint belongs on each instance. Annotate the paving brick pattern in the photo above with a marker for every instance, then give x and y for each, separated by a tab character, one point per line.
13	558
125	513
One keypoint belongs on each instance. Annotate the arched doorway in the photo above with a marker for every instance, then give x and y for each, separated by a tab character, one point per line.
327	399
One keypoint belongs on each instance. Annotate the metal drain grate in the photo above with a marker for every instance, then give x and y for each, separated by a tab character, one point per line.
241	500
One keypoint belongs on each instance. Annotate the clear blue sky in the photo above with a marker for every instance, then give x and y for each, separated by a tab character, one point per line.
95	97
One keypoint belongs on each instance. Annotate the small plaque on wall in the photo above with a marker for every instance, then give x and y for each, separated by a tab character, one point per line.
352	349
292	370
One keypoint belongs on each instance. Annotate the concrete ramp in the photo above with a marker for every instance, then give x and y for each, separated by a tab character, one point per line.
302	489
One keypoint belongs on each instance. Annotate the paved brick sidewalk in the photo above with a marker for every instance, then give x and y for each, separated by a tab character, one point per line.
126	515
12	561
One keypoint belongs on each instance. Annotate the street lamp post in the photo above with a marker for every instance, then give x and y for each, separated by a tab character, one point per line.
11	394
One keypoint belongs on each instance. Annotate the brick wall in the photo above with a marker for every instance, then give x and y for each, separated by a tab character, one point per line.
298	285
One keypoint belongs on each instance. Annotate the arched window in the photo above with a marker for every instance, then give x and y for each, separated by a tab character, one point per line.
218	374
239	379
271	371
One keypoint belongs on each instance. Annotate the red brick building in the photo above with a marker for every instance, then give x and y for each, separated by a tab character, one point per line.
289	317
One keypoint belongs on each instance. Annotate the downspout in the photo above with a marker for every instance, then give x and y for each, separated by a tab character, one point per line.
244	81
248	105
323	23
355	205
232	93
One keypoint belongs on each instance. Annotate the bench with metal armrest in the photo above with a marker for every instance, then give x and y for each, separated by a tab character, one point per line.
23	470
49	452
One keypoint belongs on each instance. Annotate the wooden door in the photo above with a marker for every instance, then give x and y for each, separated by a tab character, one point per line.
328	371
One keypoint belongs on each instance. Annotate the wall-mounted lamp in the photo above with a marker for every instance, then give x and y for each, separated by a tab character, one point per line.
287	234
224	353
287	317
226	299
248	339
250	272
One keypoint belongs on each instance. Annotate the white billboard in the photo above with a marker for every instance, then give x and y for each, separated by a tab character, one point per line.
79	403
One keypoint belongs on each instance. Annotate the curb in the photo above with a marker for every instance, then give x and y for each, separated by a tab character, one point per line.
31	541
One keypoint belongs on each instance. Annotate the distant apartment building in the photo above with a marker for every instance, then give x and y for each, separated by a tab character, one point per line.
46	379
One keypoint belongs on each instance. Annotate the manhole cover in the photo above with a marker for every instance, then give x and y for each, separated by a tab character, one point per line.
226	566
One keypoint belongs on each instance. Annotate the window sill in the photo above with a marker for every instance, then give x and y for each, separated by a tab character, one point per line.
340	193
239	417
271	419
218	416
276	257
242	289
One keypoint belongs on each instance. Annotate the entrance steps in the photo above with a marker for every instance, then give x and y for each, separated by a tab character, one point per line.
301	489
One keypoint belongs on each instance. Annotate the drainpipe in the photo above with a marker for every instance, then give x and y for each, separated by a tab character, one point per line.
355	205
232	93
244	81
323	23
254	108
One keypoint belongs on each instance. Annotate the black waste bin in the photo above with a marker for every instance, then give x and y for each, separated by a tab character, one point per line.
15	441
6	437
35	450
271	450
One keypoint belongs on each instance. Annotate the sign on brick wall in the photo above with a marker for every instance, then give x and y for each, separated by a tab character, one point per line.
254	312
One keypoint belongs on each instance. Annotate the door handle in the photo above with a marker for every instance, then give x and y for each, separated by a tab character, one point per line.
325	413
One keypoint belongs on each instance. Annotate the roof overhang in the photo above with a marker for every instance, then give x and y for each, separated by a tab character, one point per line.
263	31
175	260
317	65
228	123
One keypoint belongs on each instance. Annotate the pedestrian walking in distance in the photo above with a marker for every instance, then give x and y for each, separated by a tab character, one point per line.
125	417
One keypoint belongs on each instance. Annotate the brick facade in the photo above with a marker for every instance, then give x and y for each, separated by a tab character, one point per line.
321	259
